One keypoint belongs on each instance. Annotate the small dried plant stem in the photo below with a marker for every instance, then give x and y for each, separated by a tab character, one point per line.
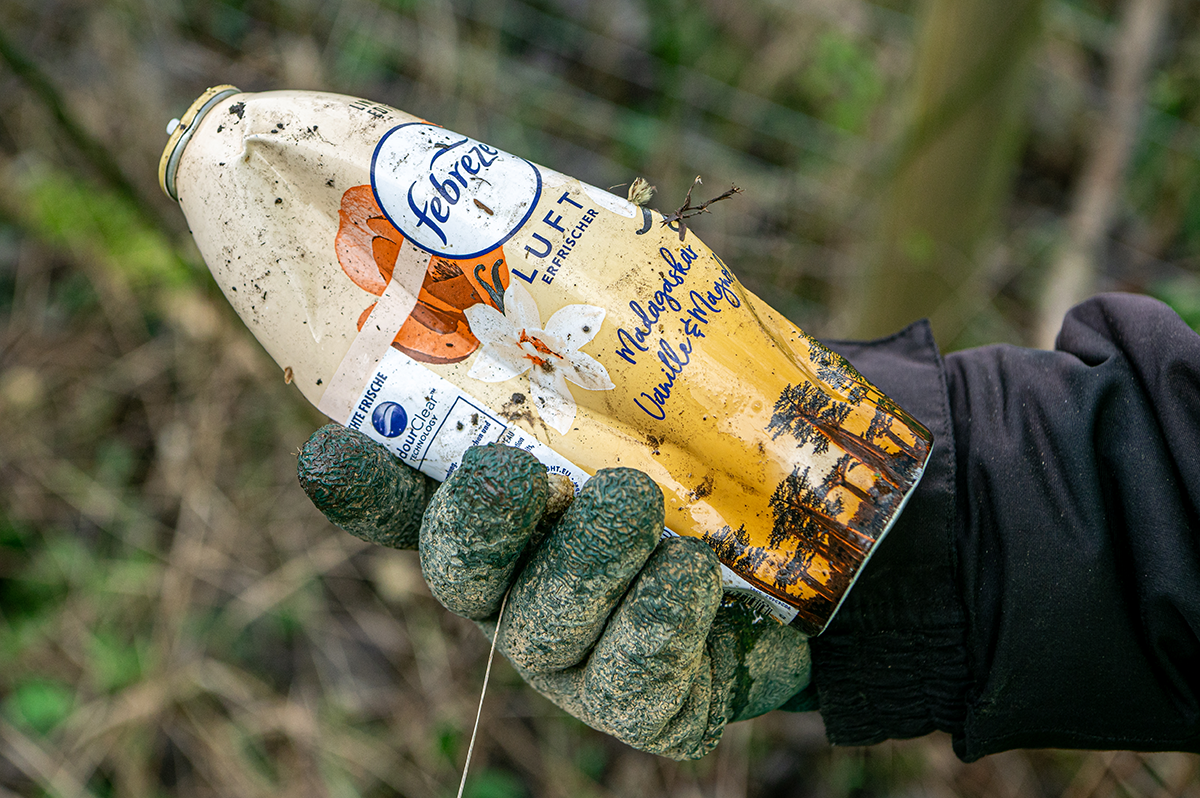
687	209
487	675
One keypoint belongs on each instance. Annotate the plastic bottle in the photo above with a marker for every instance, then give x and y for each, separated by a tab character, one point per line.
435	292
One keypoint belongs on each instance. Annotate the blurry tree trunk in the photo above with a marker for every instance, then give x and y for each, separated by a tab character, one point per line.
1072	275
951	169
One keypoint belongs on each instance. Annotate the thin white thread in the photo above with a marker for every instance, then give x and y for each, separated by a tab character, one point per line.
487	674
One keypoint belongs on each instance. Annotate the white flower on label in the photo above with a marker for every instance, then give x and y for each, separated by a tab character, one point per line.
514	342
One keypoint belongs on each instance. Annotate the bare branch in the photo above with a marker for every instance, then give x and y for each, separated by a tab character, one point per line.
687	209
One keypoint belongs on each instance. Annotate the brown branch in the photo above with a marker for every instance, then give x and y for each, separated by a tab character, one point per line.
687	210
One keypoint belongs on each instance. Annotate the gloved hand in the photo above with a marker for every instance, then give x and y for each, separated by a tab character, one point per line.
629	634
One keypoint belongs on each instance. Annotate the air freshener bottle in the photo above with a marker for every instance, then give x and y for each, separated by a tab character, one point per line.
436	293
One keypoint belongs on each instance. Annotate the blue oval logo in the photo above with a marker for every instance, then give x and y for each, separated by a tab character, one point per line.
389	419
451	195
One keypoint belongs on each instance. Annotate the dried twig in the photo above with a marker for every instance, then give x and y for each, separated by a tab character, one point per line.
687	209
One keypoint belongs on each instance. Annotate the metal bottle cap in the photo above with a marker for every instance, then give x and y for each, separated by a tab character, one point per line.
181	131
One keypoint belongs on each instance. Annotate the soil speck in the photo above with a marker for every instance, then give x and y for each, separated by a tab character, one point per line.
517	409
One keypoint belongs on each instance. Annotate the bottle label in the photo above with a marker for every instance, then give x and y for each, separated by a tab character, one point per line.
437	292
515	305
429	423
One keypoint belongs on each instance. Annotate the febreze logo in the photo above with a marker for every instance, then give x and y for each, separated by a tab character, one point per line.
449	194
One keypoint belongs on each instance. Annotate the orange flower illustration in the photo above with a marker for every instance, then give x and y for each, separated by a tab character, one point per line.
437	330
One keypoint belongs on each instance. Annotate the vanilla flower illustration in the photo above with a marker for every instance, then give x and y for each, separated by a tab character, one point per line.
514	342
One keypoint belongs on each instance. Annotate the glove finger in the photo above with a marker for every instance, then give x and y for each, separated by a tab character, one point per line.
762	662
649	675
362	487
563	597
478	524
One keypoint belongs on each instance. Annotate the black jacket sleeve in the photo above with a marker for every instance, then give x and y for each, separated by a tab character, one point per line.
1043	587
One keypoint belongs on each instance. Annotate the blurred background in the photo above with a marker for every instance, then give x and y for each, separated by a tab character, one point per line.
176	619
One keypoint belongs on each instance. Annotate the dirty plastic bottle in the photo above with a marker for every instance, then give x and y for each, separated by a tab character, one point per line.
435	293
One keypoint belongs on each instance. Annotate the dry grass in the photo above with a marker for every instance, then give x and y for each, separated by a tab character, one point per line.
175	618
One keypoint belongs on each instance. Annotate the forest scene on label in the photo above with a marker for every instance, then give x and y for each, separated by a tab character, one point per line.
825	520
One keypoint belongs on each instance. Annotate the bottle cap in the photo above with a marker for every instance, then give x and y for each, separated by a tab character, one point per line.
181	131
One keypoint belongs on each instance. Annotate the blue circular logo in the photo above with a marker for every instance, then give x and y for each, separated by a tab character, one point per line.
449	194
389	419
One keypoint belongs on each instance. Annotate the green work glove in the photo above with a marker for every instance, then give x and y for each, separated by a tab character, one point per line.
627	633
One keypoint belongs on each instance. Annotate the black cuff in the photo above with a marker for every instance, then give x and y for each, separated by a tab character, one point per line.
892	663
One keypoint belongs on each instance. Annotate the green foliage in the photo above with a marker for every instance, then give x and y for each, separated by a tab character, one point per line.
591	759
1182	293
115	463
114	662
404	6
226	21
493	784
57	564
918	246
39	704
847	774
1175	92
639	134
449	743
844	80
9	243
1164	180
363	58
75	296
66	211
681	32
134	573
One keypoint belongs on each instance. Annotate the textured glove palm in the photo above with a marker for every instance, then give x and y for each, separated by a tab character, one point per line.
626	633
